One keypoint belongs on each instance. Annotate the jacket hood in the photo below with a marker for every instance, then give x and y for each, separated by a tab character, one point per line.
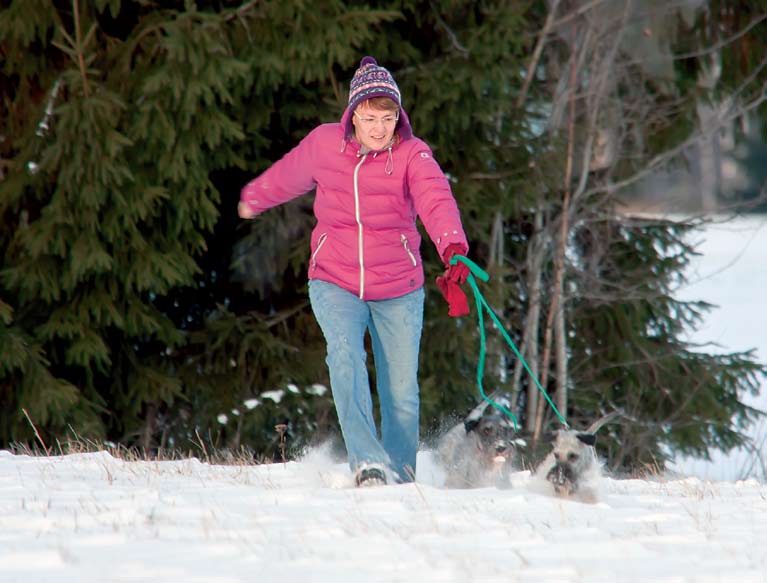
403	128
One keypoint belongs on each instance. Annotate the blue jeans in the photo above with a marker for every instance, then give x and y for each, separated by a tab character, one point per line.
395	330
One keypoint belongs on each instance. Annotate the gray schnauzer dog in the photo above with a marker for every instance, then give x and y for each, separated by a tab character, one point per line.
572	469
480	451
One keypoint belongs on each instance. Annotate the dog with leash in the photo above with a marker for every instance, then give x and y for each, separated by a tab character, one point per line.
480	451
572	470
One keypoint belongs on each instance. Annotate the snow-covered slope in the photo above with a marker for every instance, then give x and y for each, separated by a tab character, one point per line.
94	518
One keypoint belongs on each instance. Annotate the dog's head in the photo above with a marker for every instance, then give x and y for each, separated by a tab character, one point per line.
493	429
495	433
573	455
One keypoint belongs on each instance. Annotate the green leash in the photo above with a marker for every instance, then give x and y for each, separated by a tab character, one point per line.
476	270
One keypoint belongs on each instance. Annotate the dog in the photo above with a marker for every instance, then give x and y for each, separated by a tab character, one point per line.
480	451
572	469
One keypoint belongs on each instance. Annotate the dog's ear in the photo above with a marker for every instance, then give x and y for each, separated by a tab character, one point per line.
549	436
587	438
594	427
477	412
470	424
501	398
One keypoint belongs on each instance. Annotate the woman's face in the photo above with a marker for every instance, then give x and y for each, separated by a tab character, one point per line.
374	128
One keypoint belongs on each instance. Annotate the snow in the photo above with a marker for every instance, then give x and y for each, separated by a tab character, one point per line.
731	273
95	518
275	395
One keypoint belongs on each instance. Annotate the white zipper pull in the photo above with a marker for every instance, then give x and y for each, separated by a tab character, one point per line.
320	243
406	245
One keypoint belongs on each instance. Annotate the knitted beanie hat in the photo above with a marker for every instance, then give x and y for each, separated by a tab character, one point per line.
372	80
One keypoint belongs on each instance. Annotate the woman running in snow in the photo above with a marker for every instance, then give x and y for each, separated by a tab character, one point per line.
373	177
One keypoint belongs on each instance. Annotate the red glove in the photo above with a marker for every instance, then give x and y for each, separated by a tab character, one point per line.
456	299
450	282
458	272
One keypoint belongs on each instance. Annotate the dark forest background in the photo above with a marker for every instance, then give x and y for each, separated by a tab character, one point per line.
137	308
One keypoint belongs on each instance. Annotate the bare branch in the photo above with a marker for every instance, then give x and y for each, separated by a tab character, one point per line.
576	13
79	45
537	54
494	175
37	433
453	38
242	10
708	50
667	156
721	44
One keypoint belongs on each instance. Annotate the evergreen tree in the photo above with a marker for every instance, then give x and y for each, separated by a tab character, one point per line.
629	352
630	110
119	116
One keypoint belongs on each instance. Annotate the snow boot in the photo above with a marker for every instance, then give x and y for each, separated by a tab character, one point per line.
370	475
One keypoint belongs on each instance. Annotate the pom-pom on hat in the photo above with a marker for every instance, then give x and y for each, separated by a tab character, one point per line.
372	80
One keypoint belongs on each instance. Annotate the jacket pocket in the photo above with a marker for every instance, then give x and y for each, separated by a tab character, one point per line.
406	246
320	243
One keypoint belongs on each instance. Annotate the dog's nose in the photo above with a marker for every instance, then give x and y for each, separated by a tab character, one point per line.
501	447
561	474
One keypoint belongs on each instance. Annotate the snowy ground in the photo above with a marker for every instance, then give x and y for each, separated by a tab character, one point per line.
92	518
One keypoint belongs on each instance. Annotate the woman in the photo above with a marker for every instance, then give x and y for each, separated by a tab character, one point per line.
373	177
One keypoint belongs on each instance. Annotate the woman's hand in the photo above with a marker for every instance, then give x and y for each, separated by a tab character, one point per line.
245	211
449	283
458	272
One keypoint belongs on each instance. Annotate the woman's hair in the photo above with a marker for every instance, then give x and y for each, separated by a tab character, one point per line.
381	103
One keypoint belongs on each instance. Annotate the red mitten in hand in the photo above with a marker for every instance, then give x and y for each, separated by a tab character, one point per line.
458	272
450	282
456	299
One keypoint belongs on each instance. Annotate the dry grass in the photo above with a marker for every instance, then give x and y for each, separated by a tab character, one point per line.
79	445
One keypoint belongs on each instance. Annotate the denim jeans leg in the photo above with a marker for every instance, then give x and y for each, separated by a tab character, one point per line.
395	329
344	318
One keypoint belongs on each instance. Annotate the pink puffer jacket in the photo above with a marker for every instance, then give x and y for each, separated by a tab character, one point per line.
365	240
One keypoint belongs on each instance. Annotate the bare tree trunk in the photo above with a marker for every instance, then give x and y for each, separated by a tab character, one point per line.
147	429
601	69
496	351
556	309
496	245
558	304
529	345
560	344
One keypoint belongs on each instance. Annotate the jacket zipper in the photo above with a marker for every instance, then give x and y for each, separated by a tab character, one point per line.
359	224
320	243
406	245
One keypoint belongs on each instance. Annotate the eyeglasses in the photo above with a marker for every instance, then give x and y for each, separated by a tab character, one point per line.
388	121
